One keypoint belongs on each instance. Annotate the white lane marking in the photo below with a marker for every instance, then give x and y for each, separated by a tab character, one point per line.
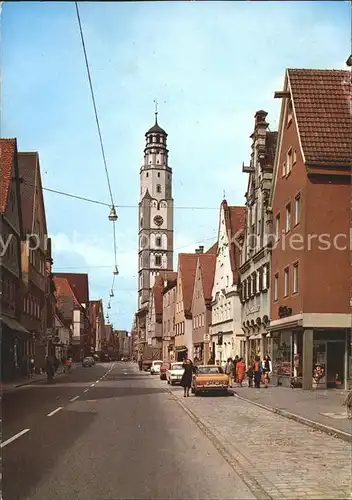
8	441
97	381
55	411
86	390
92	385
74	399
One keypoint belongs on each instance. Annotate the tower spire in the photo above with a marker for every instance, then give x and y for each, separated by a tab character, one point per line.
156	111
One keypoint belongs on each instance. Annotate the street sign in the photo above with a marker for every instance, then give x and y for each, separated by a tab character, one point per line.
206	337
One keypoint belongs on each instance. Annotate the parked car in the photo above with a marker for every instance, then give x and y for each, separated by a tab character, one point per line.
163	369
88	362
146	364
209	378
155	368
174	373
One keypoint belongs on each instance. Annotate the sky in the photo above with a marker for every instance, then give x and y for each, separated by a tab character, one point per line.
211	66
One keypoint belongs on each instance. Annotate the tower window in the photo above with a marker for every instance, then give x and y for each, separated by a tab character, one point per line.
147	174
158	174
141	221
158	260
158	138
158	188
158	241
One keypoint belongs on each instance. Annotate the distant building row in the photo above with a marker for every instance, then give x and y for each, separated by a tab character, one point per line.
278	280
41	313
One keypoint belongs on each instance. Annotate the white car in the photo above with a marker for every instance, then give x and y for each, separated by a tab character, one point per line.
174	373
155	368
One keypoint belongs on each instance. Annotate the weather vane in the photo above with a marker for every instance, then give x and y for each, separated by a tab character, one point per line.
156	107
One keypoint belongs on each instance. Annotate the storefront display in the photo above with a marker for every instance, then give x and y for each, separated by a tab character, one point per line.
281	358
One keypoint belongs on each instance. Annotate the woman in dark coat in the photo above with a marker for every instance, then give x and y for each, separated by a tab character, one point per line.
186	380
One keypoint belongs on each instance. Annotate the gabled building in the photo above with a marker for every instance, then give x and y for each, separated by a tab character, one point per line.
35	275
80	287
256	244
63	334
96	312
201	305
186	270
15	338
169	301
227	338
310	320
72	313
154	321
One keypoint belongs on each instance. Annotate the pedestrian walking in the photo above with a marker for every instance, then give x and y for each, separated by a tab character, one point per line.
186	380
229	371
258	370
50	368
250	375
235	361
240	371
31	366
267	369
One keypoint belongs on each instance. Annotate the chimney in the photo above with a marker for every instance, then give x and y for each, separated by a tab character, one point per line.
200	249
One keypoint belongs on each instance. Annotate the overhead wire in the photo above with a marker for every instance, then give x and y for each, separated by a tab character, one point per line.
94	103
83	198
99	133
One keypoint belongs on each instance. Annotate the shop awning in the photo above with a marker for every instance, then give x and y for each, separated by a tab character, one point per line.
14	325
180	348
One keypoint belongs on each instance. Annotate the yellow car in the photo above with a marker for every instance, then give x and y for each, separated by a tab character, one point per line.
209	378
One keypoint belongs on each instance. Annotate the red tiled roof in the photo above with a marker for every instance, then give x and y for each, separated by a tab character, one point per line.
7	151
188	266
213	248
63	289
322	107
207	263
79	284
158	288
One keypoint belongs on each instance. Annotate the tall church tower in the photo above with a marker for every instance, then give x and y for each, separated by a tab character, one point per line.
156	212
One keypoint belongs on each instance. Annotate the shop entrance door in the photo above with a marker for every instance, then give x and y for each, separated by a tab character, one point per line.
335	364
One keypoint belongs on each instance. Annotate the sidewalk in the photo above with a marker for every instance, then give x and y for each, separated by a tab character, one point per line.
11	386
322	410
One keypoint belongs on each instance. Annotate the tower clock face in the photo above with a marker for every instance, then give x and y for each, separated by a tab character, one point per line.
158	220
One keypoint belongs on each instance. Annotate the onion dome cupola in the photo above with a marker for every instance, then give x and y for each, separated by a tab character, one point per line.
156	136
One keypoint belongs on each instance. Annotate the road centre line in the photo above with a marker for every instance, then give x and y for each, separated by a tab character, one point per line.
74	399
86	390
8	441
55	411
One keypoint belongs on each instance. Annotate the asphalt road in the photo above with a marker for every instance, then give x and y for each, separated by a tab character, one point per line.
109	432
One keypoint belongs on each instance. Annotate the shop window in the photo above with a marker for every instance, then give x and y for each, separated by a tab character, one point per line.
281	346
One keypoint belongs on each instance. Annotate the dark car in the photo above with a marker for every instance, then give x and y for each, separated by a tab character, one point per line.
88	362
